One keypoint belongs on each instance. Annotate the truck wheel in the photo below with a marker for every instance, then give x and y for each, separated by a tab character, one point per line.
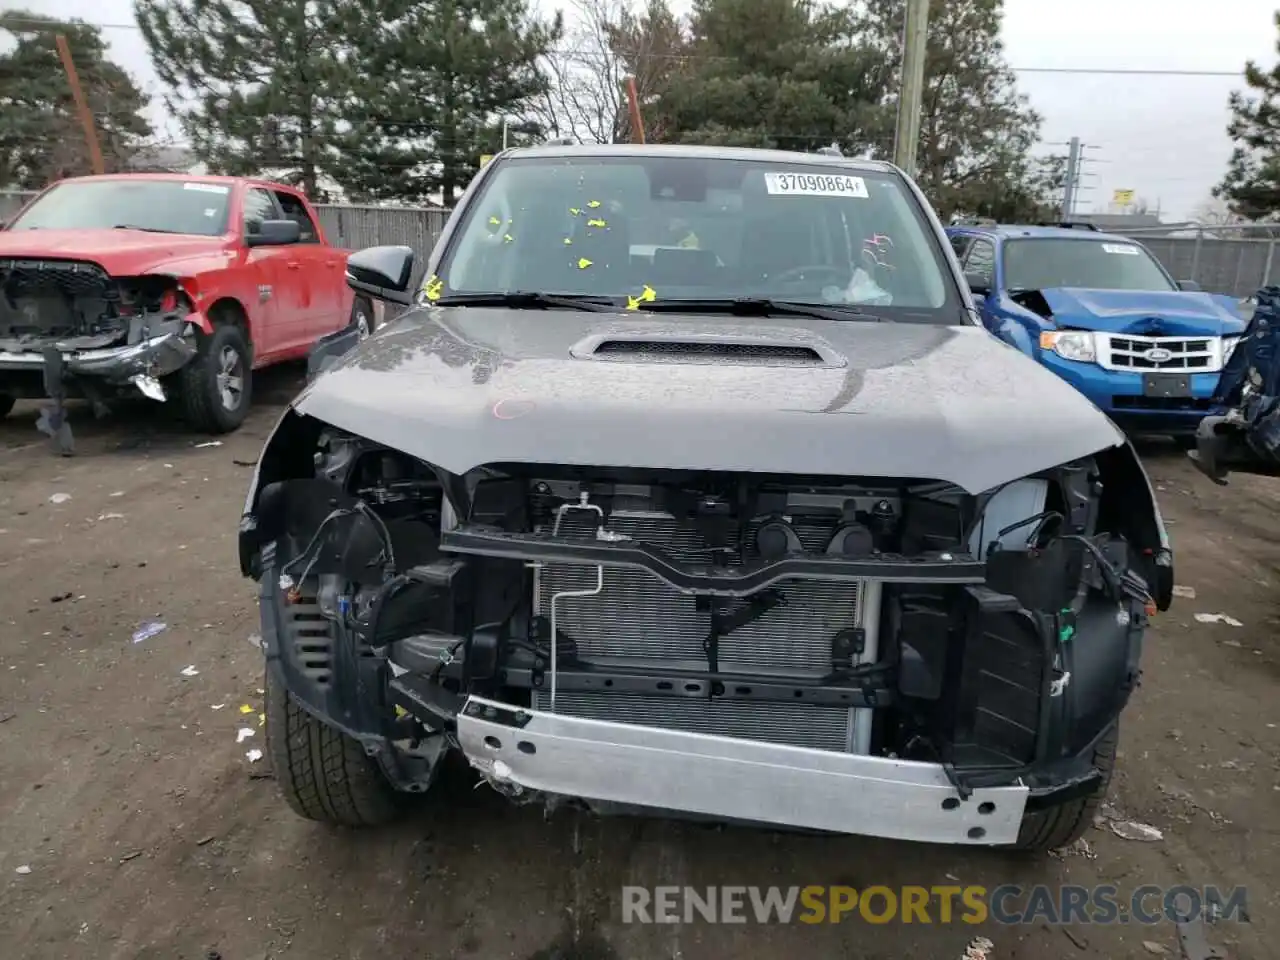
362	317
324	774
214	388
6	404
1061	826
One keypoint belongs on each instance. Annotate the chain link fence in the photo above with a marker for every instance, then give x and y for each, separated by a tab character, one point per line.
1234	259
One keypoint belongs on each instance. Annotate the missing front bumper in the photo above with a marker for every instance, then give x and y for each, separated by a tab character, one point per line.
732	779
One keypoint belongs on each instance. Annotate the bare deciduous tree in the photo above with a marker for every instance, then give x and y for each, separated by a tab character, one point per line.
584	98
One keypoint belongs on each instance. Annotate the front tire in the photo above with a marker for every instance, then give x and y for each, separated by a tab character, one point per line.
323	774
1061	826
215	388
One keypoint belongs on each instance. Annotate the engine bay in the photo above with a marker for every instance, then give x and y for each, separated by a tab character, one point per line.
894	618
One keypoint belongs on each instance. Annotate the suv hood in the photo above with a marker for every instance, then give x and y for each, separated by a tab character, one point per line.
460	387
1141	312
121	253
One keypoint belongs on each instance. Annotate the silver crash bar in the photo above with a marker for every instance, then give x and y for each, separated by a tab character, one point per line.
731	779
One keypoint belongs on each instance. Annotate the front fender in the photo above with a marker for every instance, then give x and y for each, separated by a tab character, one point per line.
287	455
1128	506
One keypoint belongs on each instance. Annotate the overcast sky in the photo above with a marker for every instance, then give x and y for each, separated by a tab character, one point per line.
1163	136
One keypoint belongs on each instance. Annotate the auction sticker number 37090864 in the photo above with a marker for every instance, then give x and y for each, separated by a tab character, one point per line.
815	185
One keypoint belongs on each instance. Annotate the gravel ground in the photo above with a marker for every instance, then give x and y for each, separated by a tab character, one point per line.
149	834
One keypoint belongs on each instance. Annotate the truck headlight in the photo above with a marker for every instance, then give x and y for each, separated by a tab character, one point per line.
1070	344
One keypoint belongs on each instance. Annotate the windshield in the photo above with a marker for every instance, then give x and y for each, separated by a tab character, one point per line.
169	206
1088	264
699	228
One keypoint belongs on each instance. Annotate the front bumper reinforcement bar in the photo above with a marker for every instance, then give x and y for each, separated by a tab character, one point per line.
731	779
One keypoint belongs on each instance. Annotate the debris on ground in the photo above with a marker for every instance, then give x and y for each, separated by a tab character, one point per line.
149	629
116	493
254	756
1158	949
132	855
1195	943
111	516
209	443
255	640
244	733
60	498
1080	848
1218	618
1133	830
217	706
246	709
979	948
1186	593
23	870
58	598
205	840
189	671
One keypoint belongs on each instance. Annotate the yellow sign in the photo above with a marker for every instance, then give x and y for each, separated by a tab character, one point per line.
1122	198
485	158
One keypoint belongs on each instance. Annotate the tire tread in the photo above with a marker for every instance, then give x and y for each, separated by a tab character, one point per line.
324	774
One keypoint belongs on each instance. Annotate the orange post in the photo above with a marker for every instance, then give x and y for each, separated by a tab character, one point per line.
82	105
633	101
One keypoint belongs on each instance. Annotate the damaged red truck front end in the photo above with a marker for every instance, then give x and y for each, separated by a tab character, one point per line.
161	285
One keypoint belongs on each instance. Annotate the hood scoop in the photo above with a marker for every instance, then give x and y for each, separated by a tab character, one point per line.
703	348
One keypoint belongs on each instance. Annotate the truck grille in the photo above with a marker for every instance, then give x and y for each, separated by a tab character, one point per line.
1164	354
637	620
53	297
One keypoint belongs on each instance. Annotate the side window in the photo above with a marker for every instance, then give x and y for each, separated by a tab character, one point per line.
960	244
981	261
294	209
258	206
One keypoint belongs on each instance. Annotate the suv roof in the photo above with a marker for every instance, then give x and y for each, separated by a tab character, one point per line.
687	150
1007	231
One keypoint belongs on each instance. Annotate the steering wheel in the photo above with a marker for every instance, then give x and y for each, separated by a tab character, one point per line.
838	274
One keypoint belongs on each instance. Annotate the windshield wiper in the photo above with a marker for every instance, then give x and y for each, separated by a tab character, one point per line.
762	307
528	300
134	226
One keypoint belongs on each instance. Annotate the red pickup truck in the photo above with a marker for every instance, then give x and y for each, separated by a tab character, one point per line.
176	287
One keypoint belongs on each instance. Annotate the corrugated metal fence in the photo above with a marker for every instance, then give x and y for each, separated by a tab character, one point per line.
1221	264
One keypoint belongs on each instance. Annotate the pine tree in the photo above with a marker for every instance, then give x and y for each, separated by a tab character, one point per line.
977	132
1251	186
256	84
765	73
41	137
440	76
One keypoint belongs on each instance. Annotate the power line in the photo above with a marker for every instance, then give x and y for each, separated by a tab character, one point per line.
570	52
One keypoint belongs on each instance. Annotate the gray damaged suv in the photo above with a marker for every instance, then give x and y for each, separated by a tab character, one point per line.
688	483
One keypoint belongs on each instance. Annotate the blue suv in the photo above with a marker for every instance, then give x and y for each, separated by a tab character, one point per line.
1102	313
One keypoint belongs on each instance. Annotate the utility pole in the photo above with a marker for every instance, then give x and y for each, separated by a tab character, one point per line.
82	105
1072	180
915	40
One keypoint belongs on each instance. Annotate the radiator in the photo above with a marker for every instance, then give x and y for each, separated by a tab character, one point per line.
637	620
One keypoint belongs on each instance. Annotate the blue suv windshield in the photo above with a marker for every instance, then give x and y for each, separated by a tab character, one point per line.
690	227
1043	264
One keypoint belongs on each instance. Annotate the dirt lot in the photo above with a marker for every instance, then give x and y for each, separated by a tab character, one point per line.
148	834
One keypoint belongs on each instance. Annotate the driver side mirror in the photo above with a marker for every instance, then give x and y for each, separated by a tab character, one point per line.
979	285
274	233
382	272
1189	286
